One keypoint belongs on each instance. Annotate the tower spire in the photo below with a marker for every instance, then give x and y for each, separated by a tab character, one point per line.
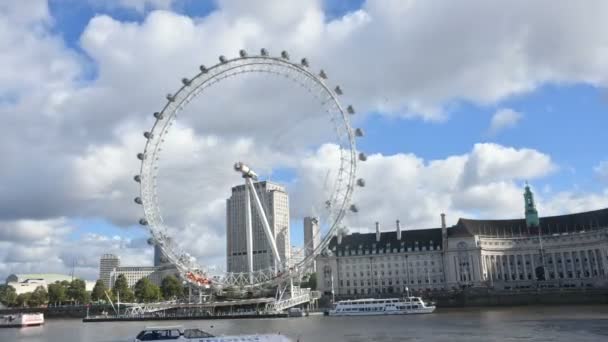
530	208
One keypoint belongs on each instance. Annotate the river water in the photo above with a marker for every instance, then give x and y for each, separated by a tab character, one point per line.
537	323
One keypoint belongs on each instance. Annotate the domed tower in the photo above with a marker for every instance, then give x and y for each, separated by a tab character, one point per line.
531	212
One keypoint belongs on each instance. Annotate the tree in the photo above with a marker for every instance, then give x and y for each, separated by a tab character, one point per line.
77	291
39	297
312	281
8	295
121	288
146	292
171	287
23	299
57	293
99	291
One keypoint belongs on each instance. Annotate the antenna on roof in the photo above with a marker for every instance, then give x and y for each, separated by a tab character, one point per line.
73	266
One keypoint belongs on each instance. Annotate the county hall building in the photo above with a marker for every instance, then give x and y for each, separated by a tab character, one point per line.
558	251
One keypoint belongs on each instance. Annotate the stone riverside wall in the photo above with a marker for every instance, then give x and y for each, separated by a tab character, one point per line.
61	311
470	297
514	298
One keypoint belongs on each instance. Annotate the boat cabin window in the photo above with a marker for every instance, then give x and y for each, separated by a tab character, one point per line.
156	335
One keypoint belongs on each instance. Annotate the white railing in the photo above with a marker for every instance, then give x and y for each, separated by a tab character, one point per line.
299	296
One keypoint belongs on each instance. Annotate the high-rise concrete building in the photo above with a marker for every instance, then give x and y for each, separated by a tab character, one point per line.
107	264
133	274
160	259
276	203
312	237
312	234
297	256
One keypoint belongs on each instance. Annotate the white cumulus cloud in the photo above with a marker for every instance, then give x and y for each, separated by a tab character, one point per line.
69	143
503	119
601	171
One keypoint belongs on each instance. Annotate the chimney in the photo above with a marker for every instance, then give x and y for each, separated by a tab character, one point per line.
339	237
443	226
398	230
377	232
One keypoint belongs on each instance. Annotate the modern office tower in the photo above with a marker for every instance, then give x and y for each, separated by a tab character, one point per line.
312	236
107	264
276	205
160	259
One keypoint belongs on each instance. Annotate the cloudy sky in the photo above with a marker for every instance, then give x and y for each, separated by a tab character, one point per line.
461	102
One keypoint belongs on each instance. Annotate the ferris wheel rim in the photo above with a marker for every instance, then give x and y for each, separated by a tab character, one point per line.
148	186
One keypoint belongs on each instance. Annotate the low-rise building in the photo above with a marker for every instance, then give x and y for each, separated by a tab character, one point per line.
133	274
24	283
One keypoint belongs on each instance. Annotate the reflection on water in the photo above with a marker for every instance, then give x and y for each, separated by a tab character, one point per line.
538	323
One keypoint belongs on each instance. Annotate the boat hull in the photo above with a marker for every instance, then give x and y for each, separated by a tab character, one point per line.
381	307
426	310
20	325
22	321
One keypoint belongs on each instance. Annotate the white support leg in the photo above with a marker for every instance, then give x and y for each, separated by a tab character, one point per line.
249	229
267	230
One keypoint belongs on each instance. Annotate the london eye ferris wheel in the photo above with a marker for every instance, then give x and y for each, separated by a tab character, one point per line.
336	201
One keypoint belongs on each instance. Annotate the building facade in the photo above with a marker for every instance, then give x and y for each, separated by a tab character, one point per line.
160	258
560	251
25	283
107	264
312	237
297	256
134	273
276	203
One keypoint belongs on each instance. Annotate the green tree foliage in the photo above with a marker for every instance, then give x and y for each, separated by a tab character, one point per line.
98	292
146	292
8	295
312	281
39	297
171	287
23	299
58	292
121	288
77	291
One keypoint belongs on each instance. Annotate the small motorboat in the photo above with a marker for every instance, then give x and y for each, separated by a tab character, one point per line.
178	333
21	320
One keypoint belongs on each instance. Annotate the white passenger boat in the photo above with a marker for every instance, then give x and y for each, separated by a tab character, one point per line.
387	306
177	333
21	320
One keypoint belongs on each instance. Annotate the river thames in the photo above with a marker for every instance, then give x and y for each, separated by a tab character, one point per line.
538	323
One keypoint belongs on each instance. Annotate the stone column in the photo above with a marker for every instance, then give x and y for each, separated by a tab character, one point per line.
554	260
533	265
482	266
515	259
508	257
603	256
601	265
498	267
523	264
564	257
581	266
457	268
588	257
597	262
501	259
